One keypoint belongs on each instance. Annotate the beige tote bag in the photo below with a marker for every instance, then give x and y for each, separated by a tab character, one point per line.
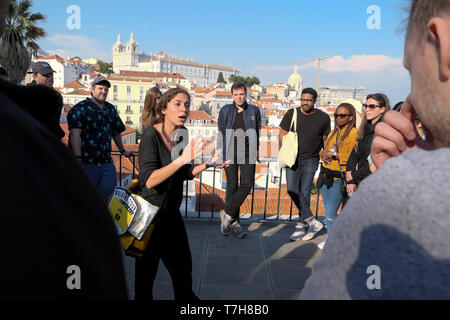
287	156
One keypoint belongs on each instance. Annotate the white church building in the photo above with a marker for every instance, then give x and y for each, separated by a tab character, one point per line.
126	56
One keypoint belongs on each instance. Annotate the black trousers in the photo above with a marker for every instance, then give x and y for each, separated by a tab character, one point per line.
169	243
236	194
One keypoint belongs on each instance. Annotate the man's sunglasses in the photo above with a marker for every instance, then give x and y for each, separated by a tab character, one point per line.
370	106
341	115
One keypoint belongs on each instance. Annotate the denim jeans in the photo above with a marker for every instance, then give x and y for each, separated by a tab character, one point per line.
332	199
103	176
299	183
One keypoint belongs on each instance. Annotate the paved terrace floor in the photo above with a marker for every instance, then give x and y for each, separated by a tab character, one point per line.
265	265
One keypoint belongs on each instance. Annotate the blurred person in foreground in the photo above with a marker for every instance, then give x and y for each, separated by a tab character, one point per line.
60	241
395	245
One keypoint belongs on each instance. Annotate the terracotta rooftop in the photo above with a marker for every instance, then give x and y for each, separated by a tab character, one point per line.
199	115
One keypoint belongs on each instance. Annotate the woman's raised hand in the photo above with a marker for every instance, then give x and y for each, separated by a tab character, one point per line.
193	150
216	161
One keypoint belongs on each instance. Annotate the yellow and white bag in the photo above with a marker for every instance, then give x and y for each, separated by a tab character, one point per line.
134	219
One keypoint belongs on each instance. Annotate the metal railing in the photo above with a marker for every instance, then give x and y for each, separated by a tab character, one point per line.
251	215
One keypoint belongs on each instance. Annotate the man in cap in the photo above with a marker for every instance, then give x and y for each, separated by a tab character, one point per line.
42	74
51	100
92	124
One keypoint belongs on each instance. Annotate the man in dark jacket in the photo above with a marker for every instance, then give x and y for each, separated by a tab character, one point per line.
239	127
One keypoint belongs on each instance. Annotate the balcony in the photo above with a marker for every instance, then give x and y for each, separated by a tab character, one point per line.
129	111
266	264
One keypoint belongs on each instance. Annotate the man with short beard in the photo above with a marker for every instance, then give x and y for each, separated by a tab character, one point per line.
92	124
313	127
392	238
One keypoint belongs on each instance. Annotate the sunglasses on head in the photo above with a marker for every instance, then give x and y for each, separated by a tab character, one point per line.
370	106
341	115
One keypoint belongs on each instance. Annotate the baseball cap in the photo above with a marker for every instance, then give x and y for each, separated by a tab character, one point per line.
41	67
101	80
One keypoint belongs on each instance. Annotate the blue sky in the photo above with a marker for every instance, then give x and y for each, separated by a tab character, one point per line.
262	38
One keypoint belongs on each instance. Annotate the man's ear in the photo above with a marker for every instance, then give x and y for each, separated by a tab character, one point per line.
439	31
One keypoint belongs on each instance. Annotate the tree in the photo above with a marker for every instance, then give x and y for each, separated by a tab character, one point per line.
19	39
256	80
220	78
248	81
105	67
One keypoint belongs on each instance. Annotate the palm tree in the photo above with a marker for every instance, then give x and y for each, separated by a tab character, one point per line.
19	39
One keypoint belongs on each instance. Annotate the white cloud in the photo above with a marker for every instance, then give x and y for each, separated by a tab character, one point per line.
355	63
66	45
359	63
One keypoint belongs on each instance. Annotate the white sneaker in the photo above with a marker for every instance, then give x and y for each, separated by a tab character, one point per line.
314	226
298	233
322	244
225	225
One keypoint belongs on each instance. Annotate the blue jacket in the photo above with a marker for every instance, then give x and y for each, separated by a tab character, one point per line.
252	119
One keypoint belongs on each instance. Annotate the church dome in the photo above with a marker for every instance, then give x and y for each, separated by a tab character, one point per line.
295	78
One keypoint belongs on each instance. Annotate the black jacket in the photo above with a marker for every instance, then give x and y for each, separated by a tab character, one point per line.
358	162
252	119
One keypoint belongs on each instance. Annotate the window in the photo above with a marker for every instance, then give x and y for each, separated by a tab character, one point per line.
128	108
115	97
115	89
142	90
128	89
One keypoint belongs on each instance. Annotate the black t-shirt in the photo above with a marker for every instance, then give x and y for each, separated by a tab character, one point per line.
154	155
239	130
310	129
53	218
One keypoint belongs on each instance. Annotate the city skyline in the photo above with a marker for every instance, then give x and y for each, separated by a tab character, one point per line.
261	38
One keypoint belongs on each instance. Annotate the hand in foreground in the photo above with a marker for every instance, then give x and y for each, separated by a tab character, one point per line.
216	161
193	150
398	133
351	189
348	176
